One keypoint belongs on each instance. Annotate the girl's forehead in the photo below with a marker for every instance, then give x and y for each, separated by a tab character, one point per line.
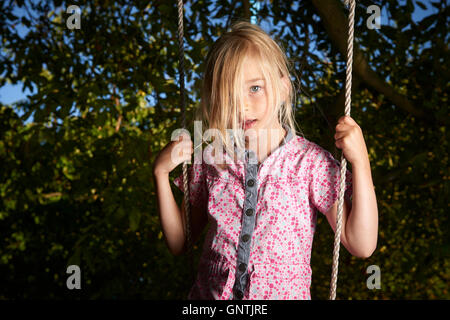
252	69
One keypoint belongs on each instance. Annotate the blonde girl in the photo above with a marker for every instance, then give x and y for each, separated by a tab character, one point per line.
259	184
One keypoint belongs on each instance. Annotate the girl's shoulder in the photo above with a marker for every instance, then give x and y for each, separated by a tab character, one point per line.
307	151
301	146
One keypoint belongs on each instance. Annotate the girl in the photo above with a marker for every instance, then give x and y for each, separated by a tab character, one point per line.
261	194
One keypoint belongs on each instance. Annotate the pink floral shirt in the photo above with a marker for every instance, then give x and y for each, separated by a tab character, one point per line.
262	220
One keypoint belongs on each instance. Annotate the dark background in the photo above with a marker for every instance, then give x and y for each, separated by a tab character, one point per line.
101	101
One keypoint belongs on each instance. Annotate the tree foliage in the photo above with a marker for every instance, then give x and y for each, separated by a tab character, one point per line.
76	184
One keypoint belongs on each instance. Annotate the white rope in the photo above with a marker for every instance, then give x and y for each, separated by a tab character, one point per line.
343	167
187	228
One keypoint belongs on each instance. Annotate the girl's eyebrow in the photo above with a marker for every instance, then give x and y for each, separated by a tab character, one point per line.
253	80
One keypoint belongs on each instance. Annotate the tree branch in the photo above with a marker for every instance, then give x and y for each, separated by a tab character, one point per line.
246	5
335	22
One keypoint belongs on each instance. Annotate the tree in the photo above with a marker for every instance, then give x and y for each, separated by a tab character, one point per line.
76	154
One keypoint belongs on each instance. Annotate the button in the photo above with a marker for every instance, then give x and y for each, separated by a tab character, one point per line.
249	212
251	183
242	267
238	294
245	237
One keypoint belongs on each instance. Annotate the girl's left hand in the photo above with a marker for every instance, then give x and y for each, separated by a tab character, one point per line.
350	139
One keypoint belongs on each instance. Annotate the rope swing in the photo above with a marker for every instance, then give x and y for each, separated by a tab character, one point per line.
348	100
187	229
343	166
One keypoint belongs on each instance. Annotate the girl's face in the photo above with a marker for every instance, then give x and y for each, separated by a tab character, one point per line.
255	96
256	107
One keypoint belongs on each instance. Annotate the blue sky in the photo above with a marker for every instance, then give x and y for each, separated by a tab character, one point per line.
11	93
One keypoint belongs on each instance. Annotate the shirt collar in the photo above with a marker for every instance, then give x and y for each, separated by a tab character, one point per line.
289	135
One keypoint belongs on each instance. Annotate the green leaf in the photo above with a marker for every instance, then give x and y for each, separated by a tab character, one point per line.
134	218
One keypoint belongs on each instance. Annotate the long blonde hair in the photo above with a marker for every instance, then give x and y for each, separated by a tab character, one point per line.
221	98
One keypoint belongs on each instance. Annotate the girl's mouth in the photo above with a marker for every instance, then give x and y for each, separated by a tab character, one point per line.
248	124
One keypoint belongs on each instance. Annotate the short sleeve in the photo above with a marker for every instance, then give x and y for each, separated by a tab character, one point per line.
324	180
198	193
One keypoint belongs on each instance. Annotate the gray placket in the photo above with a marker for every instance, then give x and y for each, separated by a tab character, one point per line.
248	224
248	220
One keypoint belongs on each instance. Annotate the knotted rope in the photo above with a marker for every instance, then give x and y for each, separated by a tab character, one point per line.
187	228
348	91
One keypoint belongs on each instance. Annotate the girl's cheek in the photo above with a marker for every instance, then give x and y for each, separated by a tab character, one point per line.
260	101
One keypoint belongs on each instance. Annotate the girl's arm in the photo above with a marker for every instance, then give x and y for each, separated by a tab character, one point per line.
360	218
172	222
171	217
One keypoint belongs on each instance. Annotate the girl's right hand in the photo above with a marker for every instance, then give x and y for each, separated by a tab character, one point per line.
174	153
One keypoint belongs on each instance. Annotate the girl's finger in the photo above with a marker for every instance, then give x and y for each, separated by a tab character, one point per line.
346	119
185	140
184	143
186	150
338	143
349	120
339	135
183	137
341	127
341	119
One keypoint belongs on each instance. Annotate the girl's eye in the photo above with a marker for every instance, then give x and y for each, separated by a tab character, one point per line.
251	88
